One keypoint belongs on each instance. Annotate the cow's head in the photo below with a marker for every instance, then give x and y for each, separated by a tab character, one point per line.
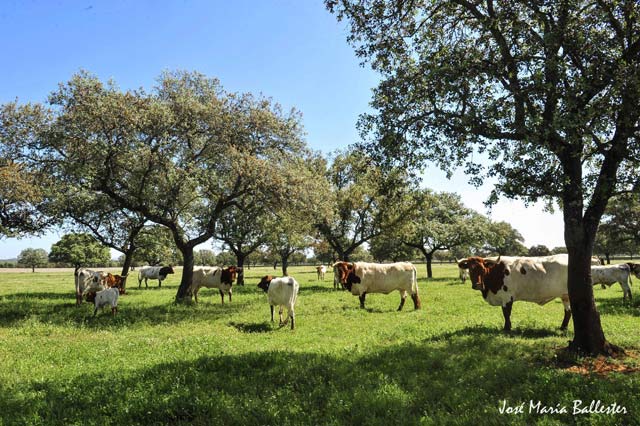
228	275
345	274
265	281
166	270
485	274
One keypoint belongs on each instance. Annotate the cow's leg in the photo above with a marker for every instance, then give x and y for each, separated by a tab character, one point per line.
95	311
416	301
114	309
159	283
506	311
280	313
146	283
403	297
362	297
293	318
229	295
221	295
567	312
271	306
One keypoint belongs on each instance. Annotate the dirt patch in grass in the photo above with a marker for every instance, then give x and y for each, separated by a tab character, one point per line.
601	365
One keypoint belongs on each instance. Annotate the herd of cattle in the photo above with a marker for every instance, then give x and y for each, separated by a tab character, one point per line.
502	281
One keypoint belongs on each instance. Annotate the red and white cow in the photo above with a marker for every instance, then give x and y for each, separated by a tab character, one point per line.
531	279
362	278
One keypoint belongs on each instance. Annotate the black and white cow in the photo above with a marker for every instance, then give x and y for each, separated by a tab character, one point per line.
155	273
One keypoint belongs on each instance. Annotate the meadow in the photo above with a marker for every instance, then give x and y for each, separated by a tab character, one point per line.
157	363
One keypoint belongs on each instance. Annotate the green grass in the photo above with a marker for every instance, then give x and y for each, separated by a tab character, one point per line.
158	363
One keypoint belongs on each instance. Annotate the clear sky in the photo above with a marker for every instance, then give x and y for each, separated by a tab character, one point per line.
291	50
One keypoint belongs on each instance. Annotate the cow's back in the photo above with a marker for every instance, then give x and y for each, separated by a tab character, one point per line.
538	279
384	277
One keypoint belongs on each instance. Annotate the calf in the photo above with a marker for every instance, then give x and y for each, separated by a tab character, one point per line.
321	270
155	273
531	279
611	274
282	292
117	281
108	296
462	272
362	278
635	269
213	277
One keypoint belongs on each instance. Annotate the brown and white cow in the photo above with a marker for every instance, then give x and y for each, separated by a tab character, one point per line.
532	279
362	278
320	271
117	281
213	277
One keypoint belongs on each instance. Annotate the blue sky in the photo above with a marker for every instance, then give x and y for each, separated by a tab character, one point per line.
291	50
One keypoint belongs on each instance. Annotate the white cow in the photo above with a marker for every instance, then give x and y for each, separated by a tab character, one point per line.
362	278
611	274
532	279
106	297
282	292
155	273
321	270
462	272
88	281
213	277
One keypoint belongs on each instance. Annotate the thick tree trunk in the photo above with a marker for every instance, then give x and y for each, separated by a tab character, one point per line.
188	260
128	259
240	258
285	264
429	259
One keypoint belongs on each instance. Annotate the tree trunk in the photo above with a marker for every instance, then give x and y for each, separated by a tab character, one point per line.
429	258
188	259
128	259
33	268
607	256
240	258
285	263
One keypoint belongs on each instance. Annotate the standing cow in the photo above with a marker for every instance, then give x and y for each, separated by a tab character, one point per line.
532	279
155	273
362	278
320	271
213	277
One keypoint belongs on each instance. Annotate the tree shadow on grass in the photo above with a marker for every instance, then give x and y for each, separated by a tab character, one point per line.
488	332
129	314
615	306
262	327
461	381
36	295
316	289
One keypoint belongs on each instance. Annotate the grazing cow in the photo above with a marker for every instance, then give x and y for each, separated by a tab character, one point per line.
635	269
462	273
87	281
321	270
611	274
117	281
213	277
282	292
155	273
531	279
108	296
362	278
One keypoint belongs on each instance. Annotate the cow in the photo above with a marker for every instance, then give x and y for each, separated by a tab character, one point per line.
155	273
362	278
531	279
88	281
462	273
321	270
281	292
106	297
213	277
635	269
607	275
117	281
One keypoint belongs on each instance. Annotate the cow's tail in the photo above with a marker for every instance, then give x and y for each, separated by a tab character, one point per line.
414	289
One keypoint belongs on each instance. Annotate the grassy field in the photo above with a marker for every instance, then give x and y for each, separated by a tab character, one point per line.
157	363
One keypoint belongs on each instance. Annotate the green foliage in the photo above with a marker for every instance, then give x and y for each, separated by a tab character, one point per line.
447	364
366	200
619	231
155	246
539	250
33	258
79	250
205	257
502	238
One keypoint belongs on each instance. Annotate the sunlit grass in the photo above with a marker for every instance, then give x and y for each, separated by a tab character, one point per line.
160	363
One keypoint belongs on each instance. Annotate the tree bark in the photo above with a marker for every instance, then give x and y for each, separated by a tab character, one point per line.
285	264
240	258
188	260
429	258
